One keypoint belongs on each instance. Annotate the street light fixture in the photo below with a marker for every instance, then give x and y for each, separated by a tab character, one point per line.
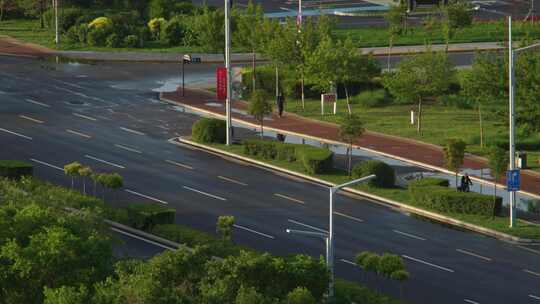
329	237
513	53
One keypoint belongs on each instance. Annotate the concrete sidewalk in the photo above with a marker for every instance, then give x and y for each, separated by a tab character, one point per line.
411	151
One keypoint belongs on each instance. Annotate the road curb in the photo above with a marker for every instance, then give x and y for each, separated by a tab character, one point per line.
333	142
428	214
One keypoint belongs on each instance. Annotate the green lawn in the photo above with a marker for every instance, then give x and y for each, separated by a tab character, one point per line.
523	230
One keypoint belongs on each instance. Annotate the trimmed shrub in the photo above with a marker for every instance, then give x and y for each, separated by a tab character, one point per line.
209	130
15	169
97	37
146	216
371	99
261	148
430	181
113	41
82	32
386	175
348	292
441	199
100	23
390	263
72	35
287	152
315	160
131	41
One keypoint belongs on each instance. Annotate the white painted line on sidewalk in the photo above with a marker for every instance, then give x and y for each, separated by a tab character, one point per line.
308	226
253	231
47	164
132	131
427	263
473	254
127	148
143	239
348	217
232	180
348	262
534	297
179	164
104	161
16	134
85	117
409	235
290	198
78	133
31	119
37	103
146	196
205	193
470	301
532	272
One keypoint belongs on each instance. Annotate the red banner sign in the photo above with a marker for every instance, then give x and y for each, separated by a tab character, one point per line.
221	83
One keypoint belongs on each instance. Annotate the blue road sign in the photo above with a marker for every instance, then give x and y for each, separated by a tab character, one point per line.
513	180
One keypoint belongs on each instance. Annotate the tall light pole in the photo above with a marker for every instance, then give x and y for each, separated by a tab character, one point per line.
329	237
512	54
228	68
57	32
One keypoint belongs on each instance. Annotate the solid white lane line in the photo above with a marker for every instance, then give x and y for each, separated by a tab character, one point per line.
290	198
348	217
84	116
253	231
529	249
409	235
308	226
473	254
104	161
179	164
16	134
37	103
31	119
534	297
205	193
46	164
348	262
146	196
132	131
128	149
232	180
532	272
427	263
470	301
78	133
143	239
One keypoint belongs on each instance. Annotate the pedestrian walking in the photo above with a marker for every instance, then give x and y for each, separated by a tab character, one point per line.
280	104
466	183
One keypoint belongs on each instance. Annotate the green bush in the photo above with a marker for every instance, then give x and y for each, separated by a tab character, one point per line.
173	31
390	263
430	181
265	149
209	130
131	41
348	292
97	36
15	169
446	200
287	152
385	174
67	18
113	41
371	99
72	35
146	216
82	32
315	160
457	101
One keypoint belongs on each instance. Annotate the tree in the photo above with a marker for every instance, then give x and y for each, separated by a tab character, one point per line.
209	30
72	169
322	65
85	172
248	295
395	17
66	295
258	107
423	75
300	295
115	181
401	276
528	91
498	161
247	33
224	227
454	154
350	130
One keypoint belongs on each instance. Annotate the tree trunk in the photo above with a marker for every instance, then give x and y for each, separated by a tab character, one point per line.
390	45
277	81
303	95
253	66
41	11
419	124
481	126
350	159
84	185
494	197
262	128
348	101
95	188
457	187
72	182
481	177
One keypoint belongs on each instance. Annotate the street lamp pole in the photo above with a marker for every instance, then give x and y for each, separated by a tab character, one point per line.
57	33
228	68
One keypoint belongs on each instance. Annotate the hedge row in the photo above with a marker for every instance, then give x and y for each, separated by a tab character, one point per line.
314	160
209	130
443	199
385	174
15	169
146	216
431	181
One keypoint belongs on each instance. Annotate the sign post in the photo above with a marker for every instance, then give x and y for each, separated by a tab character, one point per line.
513	180
185	59
328	98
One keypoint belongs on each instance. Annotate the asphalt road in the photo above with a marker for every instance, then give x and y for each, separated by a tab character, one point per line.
106	116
